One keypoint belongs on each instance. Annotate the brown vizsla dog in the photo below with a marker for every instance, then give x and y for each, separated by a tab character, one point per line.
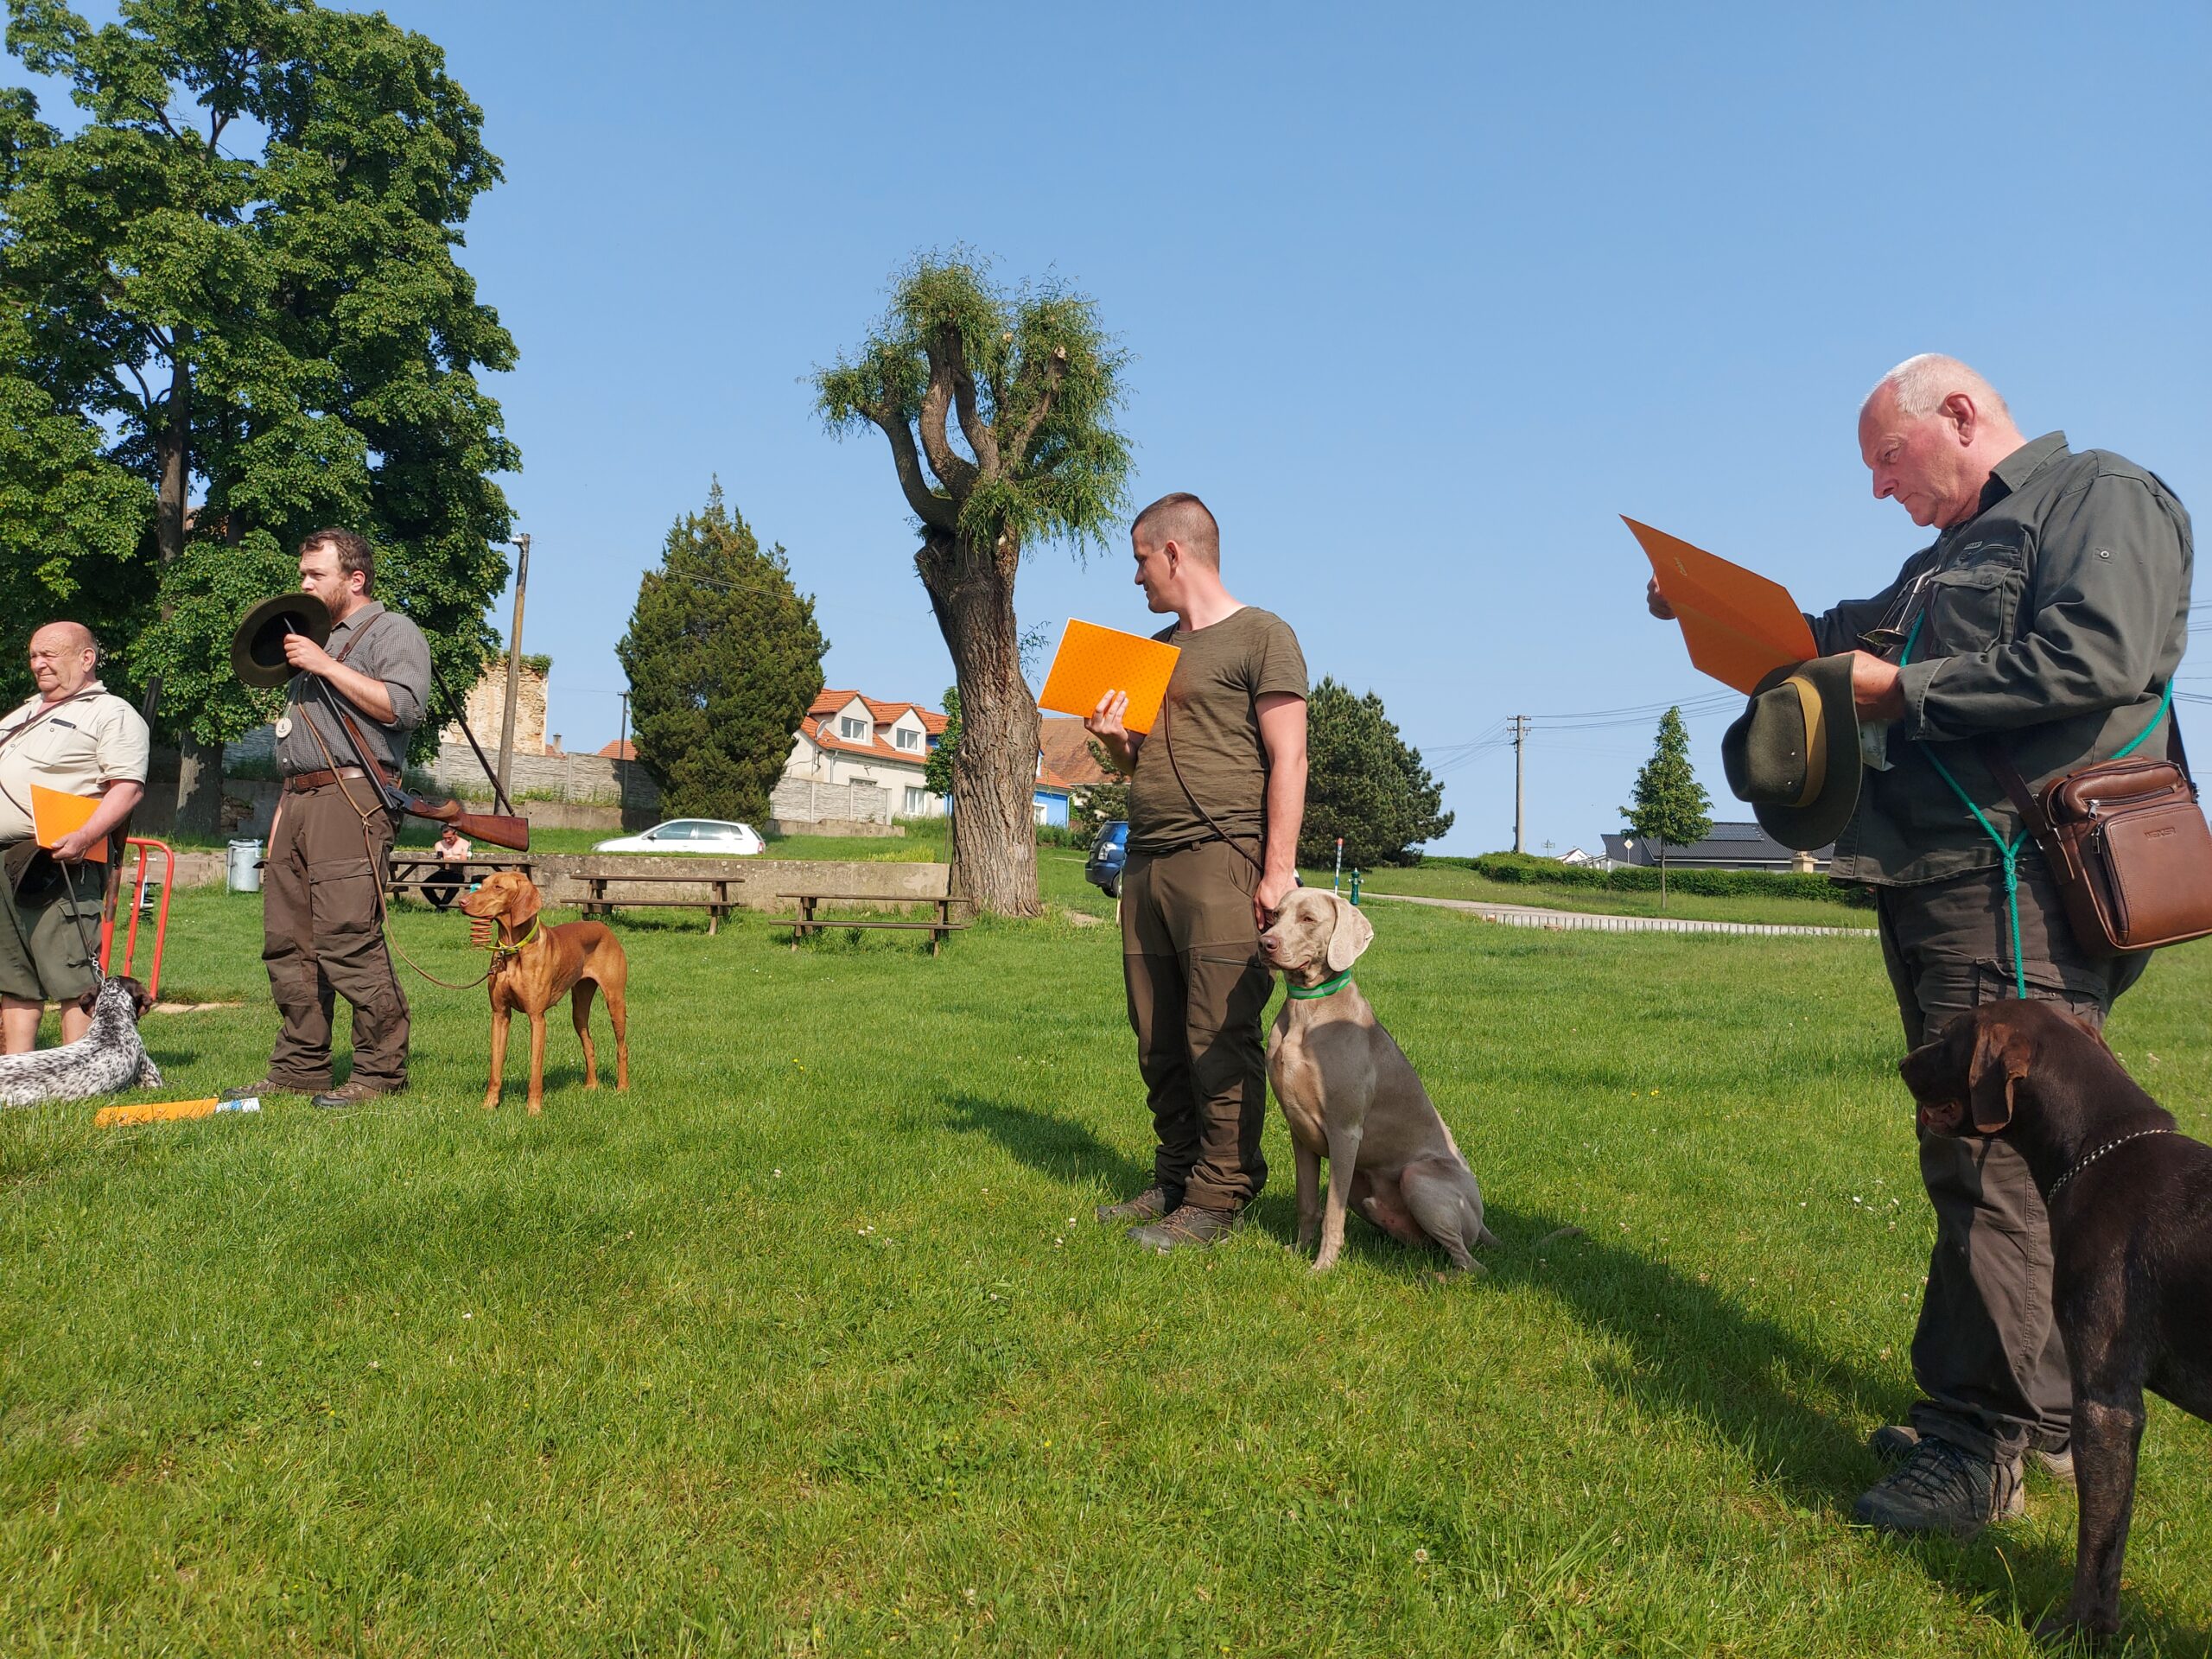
534	967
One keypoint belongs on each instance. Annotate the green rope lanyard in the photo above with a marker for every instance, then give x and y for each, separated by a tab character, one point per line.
2011	849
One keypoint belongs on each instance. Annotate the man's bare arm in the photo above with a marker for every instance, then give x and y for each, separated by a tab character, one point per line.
1282	736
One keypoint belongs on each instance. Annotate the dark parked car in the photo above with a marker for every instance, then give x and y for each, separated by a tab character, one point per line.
1107	853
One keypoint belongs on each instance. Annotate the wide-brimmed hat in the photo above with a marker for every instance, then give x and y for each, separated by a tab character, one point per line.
257	648
1793	752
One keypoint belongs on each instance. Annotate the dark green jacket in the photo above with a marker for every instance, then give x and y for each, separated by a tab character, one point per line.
2053	618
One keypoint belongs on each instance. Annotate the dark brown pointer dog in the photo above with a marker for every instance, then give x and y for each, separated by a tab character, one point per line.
2130	1202
534	967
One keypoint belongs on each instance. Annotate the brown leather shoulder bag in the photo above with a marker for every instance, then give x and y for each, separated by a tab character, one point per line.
2127	843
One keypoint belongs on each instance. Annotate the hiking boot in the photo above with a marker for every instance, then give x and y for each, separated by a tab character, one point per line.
1940	1488
1191	1225
1893	1443
354	1092
1150	1204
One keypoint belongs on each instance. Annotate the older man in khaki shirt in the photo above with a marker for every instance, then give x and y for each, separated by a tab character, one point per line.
76	738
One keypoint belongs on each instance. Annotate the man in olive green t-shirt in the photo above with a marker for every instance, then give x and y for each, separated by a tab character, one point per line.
1217	792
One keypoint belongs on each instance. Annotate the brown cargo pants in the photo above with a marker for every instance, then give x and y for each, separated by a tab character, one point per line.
1198	988
322	938
1987	1354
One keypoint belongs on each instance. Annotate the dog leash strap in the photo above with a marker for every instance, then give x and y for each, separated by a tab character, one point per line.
1328	987
2011	850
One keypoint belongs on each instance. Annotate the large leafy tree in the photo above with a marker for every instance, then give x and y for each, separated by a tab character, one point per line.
937	774
999	406
239	272
1365	782
1670	806
723	658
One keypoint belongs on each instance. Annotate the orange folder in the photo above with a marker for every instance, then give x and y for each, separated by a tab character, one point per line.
55	813
1738	625
1092	661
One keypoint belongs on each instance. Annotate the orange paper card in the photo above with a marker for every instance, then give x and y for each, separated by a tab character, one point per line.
1092	661
54	814
1738	625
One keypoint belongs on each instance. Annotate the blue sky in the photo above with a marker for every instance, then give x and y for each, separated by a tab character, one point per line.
1419	299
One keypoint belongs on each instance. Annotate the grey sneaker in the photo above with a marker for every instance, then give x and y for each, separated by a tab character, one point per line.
1940	1488
1188	1226
1893	1443
352	1093
1150	1204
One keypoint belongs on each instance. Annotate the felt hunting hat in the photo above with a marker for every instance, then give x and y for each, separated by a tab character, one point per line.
257	648
1793	752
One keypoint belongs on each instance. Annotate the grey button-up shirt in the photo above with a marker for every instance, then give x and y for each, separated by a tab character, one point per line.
2052	619
392	650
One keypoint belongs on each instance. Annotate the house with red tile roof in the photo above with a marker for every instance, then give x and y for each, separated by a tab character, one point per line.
845	738
849	738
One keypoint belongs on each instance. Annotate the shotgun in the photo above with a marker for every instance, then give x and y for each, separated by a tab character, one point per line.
500	830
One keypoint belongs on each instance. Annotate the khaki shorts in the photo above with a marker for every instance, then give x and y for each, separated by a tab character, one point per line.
41	954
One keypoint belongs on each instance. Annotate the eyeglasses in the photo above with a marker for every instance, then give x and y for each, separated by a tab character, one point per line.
1889	634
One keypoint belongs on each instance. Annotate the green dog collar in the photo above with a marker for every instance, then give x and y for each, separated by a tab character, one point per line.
1326	987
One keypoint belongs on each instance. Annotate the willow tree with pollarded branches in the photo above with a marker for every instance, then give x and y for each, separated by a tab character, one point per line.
999	405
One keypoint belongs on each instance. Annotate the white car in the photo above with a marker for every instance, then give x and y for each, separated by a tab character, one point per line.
690	835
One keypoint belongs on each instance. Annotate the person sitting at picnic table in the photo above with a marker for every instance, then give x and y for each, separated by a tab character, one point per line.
452	847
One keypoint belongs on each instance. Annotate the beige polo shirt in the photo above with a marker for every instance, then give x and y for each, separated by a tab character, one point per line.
77	747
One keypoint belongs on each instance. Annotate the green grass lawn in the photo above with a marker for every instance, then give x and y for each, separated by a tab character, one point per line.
808	1344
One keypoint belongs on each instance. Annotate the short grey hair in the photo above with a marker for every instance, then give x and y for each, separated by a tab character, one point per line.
1921	383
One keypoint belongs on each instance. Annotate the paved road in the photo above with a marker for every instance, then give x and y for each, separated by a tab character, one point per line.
1583	921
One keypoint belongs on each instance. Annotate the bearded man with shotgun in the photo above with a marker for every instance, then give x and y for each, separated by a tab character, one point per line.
349	706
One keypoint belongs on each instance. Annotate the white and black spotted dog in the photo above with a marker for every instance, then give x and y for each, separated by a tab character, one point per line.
107	1059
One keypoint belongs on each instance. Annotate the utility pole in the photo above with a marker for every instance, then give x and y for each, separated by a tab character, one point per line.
622	754
514	667
1521	723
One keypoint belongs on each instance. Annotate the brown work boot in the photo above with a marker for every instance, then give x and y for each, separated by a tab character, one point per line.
1150	1204
354	1092
1188	1226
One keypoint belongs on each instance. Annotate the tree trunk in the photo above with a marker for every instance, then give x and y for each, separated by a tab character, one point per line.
1663	878
199	788
200	769
994	771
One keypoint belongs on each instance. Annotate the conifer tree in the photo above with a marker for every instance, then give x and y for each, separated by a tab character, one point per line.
723	658
1365	782
1671	805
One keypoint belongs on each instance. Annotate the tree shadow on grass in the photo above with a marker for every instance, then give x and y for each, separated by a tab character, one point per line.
1794	1410
1053	1146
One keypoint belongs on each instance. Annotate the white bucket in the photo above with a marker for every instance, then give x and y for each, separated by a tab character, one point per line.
243	875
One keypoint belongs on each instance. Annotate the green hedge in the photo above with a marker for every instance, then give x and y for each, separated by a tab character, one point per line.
1521	869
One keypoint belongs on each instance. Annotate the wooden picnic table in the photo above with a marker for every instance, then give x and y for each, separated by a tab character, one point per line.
411	871
716	907
806	921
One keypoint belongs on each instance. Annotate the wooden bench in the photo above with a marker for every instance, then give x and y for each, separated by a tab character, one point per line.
412	872
806	921
716	907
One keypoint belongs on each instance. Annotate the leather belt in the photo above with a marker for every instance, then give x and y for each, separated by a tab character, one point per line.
300	783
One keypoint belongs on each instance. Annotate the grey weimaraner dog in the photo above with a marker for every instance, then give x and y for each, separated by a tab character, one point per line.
1349	1095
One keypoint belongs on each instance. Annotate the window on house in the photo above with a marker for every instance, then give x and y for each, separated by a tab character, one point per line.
917	803
909	739
853	731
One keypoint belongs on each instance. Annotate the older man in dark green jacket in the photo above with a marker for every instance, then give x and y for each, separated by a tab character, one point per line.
2050	614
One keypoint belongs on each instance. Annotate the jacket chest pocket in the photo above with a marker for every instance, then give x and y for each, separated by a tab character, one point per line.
1972	606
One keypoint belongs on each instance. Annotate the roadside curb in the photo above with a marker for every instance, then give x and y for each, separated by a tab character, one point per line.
1584	921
